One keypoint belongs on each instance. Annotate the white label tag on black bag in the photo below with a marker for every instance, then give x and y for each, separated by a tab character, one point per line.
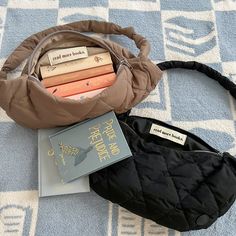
169	134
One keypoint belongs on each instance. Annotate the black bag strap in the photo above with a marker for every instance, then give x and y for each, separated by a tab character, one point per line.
210	72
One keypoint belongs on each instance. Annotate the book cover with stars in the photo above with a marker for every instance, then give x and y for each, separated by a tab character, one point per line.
89	146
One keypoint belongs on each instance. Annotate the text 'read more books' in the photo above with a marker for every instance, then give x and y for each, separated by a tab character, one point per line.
89	146
49	181
67	54
77	75
83	86
76	65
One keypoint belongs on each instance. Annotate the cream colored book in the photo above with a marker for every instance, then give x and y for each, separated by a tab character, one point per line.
76	65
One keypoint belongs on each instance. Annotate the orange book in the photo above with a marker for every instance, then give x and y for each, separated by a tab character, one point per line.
83	86
77	75
89	94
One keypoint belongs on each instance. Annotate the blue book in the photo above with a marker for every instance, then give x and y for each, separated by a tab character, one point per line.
49	180
89	146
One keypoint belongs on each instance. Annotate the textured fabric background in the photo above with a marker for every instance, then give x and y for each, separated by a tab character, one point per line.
203	30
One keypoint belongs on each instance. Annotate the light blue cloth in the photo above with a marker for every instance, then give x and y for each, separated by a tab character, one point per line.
203	30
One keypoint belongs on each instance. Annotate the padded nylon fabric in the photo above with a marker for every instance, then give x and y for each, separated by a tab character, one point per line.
181	187
27	102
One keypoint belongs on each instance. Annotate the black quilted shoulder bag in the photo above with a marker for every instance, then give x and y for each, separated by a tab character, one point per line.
173	177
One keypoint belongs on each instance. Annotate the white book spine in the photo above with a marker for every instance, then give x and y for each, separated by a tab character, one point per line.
80	64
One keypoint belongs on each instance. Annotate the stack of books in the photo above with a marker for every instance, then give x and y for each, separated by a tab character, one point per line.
67	155
75	74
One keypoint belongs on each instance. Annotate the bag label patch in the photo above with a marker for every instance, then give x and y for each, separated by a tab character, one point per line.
169	134
67	54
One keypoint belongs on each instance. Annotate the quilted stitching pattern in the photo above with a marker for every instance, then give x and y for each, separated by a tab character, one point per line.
175	188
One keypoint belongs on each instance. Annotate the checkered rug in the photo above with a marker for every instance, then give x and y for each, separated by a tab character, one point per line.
202	30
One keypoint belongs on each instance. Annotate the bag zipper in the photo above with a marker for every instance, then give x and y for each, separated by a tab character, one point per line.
132	130
122	61
210	152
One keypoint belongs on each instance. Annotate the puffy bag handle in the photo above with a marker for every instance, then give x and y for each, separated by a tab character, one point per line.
24	50
210	72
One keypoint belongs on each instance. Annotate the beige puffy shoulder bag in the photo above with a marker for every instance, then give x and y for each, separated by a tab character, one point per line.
27	102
